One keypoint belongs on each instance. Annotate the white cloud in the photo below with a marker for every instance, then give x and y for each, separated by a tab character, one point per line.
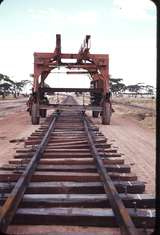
134	9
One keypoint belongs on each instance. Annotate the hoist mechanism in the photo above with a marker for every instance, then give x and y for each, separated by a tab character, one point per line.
96	65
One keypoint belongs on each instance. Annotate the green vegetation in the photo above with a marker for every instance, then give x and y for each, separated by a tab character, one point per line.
118	87
10	87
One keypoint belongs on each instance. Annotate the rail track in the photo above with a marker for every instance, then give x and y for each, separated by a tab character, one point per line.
68	174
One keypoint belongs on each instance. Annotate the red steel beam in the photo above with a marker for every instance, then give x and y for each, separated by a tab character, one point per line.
84	49
48	61
46	55
80	72
58	49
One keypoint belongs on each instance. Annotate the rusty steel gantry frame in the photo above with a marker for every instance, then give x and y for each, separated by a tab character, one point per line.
97	65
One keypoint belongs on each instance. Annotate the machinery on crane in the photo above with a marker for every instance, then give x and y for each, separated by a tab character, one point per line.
97	65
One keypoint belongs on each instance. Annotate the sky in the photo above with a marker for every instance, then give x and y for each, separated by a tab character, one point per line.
124	29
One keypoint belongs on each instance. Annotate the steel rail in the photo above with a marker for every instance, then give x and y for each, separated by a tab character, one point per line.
8	210
123	218
49	89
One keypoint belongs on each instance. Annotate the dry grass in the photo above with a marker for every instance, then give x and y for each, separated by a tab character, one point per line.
146	118
146	102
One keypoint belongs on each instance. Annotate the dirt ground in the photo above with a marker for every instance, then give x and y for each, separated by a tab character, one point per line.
136	143
132	130
134	139
14	125
146	102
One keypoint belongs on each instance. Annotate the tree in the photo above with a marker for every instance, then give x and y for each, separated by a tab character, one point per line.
5	89
116	85
8	86
17	87
135	88
149	89
5	85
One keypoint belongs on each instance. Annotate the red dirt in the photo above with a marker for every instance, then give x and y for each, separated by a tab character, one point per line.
133	140
14	124
136	143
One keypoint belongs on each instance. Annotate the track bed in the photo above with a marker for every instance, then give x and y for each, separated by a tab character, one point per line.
68	185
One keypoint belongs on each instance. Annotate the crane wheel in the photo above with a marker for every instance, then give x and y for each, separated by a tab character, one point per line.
106	114
43	113
35	114
95	114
